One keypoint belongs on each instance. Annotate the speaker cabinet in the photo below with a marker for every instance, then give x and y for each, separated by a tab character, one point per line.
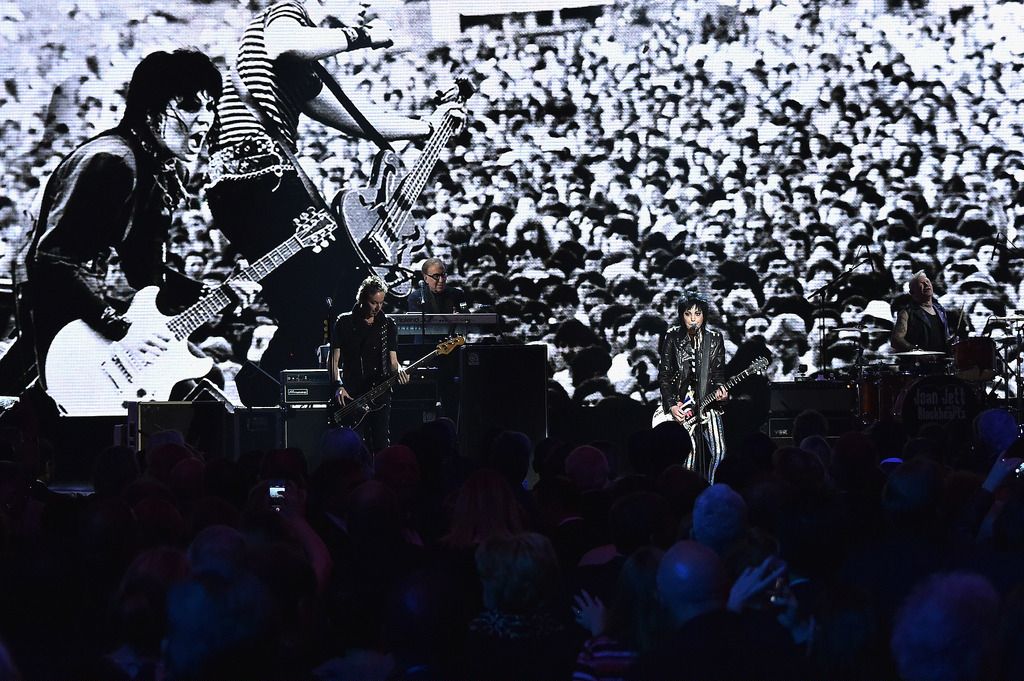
836	400
208	426
304	427
205	425
502	387
827	397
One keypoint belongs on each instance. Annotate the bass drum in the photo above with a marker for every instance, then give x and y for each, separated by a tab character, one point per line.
945	400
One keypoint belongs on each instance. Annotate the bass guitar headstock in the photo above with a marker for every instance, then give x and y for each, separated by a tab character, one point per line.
449	344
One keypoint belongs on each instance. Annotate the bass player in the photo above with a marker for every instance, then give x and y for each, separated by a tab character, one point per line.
255	191
692	364
363	353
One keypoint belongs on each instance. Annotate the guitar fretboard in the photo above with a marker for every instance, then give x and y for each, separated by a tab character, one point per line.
182	325
399	206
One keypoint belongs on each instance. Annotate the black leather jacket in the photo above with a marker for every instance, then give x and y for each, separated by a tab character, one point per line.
674	372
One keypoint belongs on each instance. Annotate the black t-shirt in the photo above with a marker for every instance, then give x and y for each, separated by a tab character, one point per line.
364	349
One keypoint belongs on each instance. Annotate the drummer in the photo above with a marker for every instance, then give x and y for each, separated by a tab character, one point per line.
922	324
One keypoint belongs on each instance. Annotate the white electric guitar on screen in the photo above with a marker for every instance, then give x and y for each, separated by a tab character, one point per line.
759	366
88	374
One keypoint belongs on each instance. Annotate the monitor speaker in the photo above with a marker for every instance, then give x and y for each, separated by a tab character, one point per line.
502	387
256	387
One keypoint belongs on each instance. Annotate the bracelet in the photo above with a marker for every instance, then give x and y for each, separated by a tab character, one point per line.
357	37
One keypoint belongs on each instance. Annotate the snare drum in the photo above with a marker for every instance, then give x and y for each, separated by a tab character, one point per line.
878	394
945	400
975	358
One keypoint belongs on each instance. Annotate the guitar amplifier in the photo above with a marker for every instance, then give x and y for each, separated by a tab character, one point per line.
306	386
835	400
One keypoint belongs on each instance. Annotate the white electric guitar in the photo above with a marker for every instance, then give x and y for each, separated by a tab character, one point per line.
87	374
759	366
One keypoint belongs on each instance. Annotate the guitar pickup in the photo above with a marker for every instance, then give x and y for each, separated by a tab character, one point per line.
376	249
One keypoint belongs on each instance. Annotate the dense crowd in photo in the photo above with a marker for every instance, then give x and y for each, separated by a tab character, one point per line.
756	152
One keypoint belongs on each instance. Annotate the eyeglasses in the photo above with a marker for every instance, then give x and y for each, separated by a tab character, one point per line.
438	277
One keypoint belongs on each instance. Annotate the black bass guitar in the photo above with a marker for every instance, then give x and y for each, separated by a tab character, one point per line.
352	413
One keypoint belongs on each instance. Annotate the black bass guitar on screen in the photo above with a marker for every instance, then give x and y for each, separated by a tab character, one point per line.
377	218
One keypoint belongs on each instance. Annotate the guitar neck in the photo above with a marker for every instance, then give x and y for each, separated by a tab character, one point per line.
708	399
209	306
382	387
399	207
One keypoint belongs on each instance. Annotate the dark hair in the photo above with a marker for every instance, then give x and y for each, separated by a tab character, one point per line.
635	614
162	77
692	299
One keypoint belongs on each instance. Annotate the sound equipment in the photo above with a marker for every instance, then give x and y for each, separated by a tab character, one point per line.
257	429
836	400
416	324
256	387
207	426
204	425
306	386
502	387
304	426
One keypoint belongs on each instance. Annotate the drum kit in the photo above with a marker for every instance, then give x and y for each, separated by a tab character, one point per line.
922	386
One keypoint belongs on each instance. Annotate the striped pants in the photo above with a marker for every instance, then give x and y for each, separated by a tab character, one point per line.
706	463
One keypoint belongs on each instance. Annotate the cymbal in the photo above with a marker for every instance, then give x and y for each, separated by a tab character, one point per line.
871	330
919	353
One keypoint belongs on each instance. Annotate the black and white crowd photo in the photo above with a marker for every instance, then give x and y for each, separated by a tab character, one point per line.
581	340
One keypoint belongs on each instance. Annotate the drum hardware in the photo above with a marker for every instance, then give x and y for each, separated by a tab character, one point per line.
920	353
824	293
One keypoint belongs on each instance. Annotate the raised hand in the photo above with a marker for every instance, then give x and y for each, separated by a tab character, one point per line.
380	33
457	109
753	581
590	612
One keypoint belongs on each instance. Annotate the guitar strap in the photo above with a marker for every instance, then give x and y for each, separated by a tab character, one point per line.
371	132
319	202
705	358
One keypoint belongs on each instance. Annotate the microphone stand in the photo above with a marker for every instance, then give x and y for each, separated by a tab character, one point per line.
824	293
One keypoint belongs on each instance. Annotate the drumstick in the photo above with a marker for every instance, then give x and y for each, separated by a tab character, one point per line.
960	322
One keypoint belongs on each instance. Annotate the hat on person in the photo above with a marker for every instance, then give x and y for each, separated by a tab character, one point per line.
978	282
878	311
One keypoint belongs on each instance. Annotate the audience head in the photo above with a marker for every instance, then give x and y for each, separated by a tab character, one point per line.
994	431
587	467
947	630
807	423
691	581
719	518
115	469
639	519
509	454
634	617
484	508
519	573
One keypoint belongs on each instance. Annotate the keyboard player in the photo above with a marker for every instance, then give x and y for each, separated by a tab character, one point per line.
434	295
